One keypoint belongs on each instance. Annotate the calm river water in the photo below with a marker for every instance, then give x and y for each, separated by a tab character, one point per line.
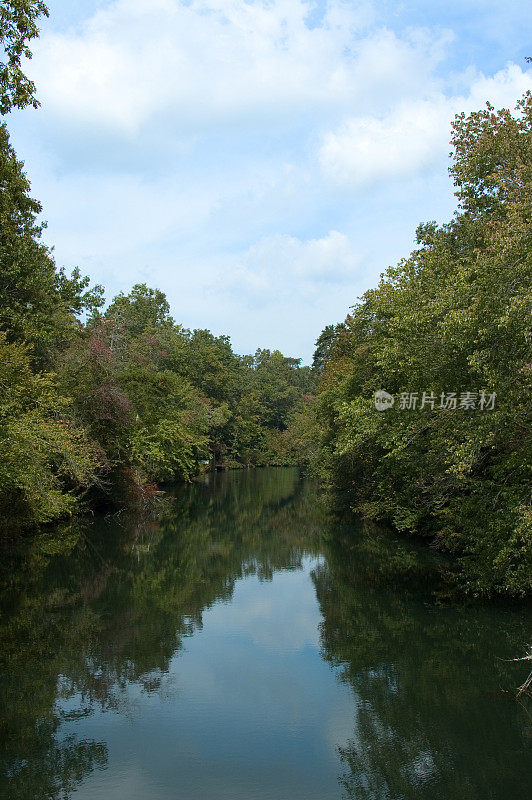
243	646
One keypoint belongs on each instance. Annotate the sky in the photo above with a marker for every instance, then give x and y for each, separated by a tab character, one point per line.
261	162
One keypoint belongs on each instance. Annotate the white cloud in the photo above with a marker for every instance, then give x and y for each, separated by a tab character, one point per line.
223	59
365	149
281	267
413	135
207	146
258	610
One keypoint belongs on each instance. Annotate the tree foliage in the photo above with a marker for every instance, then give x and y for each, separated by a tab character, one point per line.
38	303
453	317
18	26
46	458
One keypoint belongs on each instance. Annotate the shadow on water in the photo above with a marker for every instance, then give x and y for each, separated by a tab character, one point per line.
90	611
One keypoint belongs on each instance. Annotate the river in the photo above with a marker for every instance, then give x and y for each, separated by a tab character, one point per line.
242	644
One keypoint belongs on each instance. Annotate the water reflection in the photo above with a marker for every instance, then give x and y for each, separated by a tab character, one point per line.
241	645
80	626
435	709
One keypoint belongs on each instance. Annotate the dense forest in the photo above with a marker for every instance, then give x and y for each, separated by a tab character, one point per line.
447	333
105	401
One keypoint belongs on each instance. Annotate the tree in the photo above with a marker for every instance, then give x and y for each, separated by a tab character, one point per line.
324	343
454	316
46	457
141	310
18	26
38	304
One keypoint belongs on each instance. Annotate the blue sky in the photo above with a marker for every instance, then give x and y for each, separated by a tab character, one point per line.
260	162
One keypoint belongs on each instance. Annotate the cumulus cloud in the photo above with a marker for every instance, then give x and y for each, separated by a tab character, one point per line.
281	267
207	146
412	135
206	60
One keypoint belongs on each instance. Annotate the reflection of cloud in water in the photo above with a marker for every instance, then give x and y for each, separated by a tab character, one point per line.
281	615
257	709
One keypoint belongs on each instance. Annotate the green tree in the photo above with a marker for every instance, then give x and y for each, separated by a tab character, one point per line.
141	310
324	343
18	26
38	304
454	316
46	458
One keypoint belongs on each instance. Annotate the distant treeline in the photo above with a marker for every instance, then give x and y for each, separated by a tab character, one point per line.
447	333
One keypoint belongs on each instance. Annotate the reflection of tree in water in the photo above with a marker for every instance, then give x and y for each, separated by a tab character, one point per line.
429	679
80	627
52	770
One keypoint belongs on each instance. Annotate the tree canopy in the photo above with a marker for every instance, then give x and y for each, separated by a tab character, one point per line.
18	26
452	319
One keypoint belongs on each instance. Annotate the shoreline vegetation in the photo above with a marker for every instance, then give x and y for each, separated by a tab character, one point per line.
104	402
454	318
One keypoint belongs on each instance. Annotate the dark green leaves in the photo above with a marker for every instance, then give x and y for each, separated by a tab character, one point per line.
18	26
